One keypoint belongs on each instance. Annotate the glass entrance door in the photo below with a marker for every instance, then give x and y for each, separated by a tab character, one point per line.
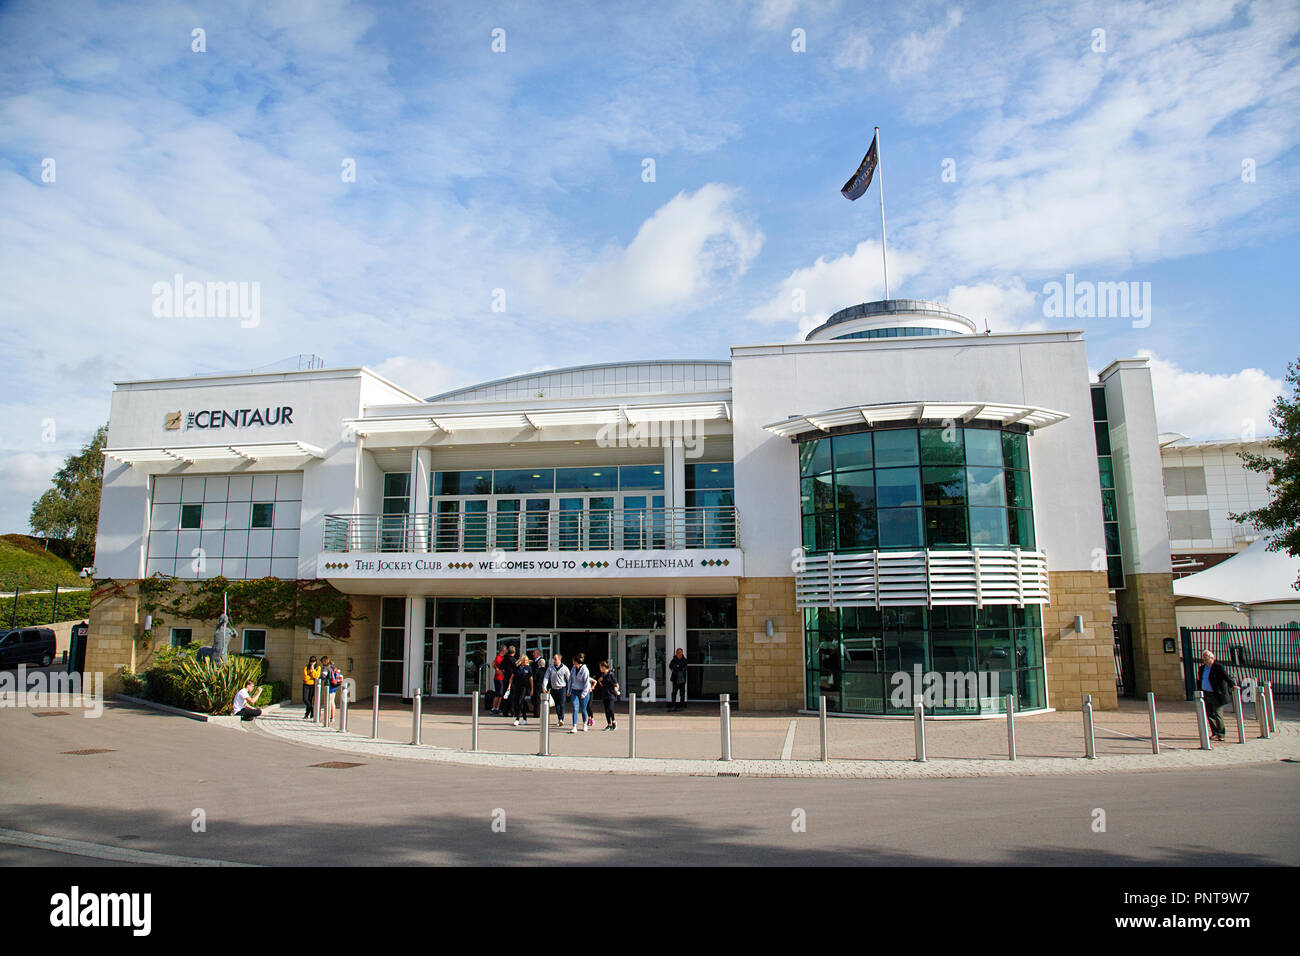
641	664
447	664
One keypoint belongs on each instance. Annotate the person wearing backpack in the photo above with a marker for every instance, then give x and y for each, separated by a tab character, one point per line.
579	692
333	678
609	691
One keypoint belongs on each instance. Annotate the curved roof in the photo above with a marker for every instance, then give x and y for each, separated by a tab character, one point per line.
916	411
883	307
657	375
1253	576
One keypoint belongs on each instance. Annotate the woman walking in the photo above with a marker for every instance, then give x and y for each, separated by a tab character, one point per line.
521	690
609	690
310	674
579	694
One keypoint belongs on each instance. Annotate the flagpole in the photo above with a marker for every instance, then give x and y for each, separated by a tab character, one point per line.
880	175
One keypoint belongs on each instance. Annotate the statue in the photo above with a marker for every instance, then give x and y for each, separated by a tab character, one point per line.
221	638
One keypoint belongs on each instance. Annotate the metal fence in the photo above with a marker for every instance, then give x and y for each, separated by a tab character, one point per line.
1258	653
1125	681
615	529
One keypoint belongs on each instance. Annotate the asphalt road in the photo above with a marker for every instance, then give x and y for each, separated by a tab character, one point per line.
264	803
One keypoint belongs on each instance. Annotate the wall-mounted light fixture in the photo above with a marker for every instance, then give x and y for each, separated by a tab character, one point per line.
349	665
1078	624
148	622
771	629
316	629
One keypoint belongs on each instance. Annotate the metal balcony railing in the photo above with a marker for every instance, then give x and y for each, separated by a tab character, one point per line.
620	529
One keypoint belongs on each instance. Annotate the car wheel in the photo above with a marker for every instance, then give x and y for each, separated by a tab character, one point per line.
45	659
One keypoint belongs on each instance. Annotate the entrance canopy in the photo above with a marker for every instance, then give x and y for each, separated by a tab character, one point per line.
1254	576
218	458
914	412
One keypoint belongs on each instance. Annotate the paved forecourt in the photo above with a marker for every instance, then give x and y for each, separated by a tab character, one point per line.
781	745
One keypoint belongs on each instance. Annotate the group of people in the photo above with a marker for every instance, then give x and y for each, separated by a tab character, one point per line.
518	682
325	674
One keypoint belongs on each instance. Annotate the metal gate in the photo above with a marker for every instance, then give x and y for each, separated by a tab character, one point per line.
1259	653
1124	679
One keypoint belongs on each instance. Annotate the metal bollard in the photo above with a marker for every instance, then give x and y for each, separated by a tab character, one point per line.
1261	711
918	727
1202	722
1155	730
473	723
1011	728
821	716
631	725
415	719
725	706
374	714
343	711
544	731
1241	714
315	702
1272	711
1089	741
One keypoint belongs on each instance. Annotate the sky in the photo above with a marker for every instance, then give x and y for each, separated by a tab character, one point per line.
452	193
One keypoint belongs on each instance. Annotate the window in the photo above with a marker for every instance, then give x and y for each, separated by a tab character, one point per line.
255	641
711	648
191	516
917	487
182	636
1189	525
262	514
1185	481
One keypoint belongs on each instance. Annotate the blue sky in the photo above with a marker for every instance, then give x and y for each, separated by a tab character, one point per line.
522	171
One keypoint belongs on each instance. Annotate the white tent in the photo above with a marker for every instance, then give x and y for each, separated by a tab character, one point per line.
1254	576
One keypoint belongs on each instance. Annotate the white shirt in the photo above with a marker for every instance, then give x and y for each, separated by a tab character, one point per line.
579	679
241	701
557	678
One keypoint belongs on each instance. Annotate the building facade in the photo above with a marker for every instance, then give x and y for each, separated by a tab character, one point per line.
1205	484
895	499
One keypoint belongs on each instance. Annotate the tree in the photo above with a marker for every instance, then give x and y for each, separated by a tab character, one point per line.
1280	518
70	510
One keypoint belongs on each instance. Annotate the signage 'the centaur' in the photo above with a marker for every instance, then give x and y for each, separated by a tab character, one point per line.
230	418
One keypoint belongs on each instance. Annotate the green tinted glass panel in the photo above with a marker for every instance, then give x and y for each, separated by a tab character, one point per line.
1107	471
817	495
710	474
1015	450
1099	403
852	451
896	487
586	612
983	446
523	612
515	481
643	612
1018	489
941	446
641	477
586	479
945	526
1021	527
462	482
1102	433
855	490
943	486
1109	506
397	484
986	487
899	527
815	457
988	526
896	447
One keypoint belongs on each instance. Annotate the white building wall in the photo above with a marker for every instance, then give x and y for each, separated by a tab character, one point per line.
1047	370
1229	488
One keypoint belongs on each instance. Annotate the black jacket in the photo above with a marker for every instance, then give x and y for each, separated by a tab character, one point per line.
677	667
1220	680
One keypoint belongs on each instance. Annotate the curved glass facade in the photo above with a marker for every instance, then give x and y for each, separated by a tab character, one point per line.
907	489
913	488
892	333
869	661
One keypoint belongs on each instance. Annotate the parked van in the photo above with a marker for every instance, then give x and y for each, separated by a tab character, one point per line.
27	645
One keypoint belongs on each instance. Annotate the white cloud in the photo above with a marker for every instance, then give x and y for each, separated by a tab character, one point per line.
679	256
773	13
829	285
917	51
24	476
1008	306
855	52
1205	405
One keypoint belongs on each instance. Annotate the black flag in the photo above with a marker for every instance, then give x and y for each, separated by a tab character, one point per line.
859	181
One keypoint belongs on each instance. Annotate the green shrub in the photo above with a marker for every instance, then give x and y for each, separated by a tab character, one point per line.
272	693
210	688
133	685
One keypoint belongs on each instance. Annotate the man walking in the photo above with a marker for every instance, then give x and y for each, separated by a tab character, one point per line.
1215	683
556	680
678	668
